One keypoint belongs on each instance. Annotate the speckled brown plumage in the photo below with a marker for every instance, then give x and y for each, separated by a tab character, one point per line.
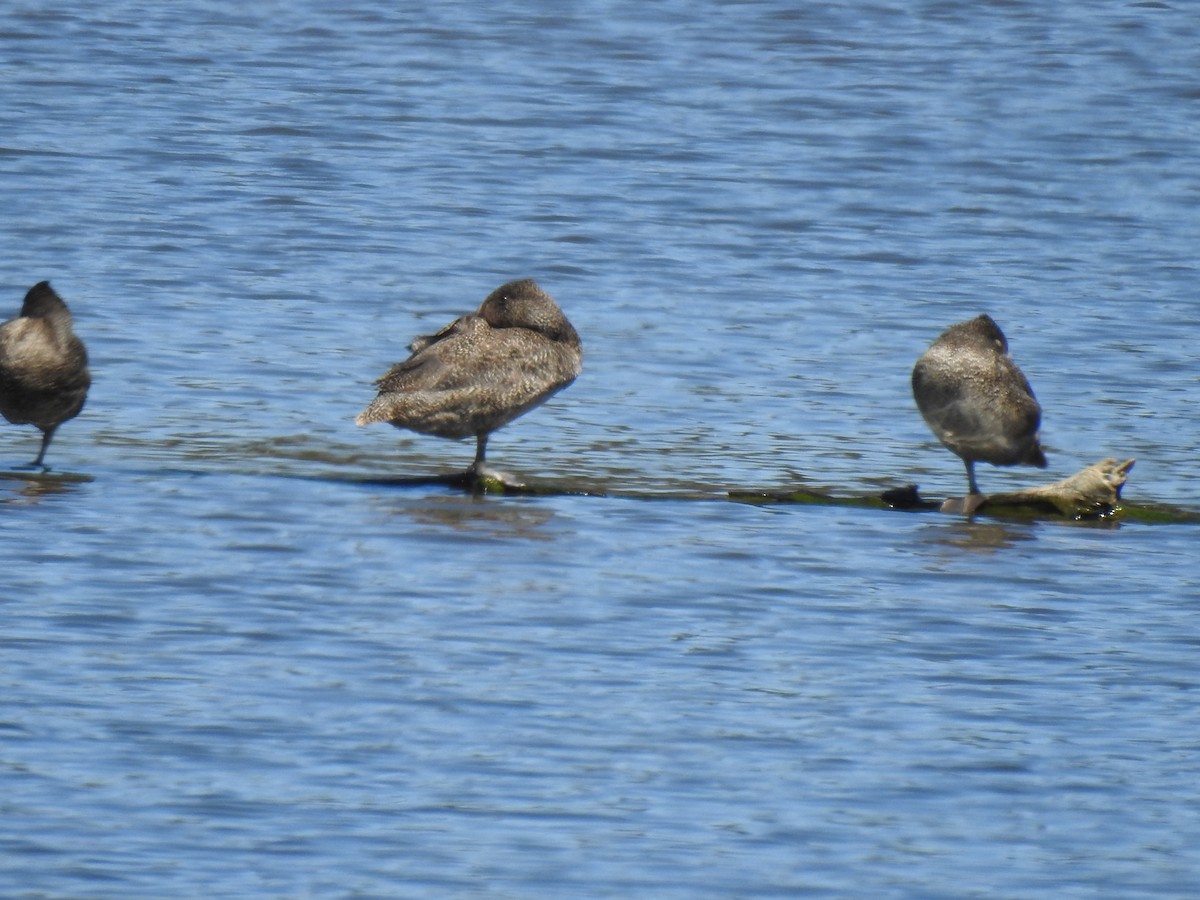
44	377
482	370
975	399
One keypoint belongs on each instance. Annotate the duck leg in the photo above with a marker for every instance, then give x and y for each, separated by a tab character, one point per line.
480	452
972	486
47	434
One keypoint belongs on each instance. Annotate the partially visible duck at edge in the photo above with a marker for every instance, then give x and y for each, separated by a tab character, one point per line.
44	376
482	371
975	399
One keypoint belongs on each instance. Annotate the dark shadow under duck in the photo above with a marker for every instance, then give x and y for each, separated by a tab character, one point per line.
975	399
481	371
44	376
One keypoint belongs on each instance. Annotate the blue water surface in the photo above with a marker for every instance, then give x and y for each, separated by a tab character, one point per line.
239	659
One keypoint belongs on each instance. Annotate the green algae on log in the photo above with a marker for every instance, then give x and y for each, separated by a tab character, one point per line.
1092	493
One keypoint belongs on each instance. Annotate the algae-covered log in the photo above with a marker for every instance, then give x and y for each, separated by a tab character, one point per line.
1094	492
480	484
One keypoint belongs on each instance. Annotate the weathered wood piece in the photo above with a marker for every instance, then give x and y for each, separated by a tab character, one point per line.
1094	491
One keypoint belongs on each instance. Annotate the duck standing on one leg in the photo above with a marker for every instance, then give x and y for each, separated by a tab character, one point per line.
975	399
44	376
482	370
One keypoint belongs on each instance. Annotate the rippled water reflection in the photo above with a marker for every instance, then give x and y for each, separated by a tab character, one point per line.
241	659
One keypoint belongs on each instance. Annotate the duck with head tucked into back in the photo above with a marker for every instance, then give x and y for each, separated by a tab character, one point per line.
482	370
44	376
975	399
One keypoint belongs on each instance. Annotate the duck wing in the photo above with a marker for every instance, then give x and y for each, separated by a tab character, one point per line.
433	357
